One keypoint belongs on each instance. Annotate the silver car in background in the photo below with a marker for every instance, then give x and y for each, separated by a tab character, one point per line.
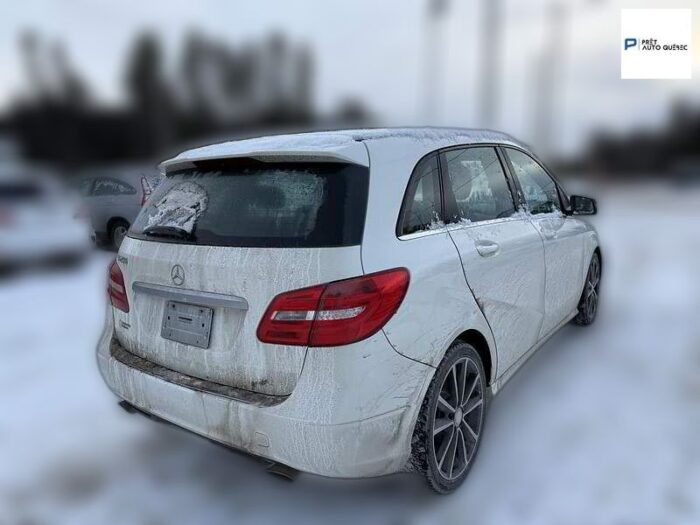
346	303
114	197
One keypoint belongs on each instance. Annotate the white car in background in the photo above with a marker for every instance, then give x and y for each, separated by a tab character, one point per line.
39	220
345	303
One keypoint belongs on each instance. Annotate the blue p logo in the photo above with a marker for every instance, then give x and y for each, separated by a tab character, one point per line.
630	42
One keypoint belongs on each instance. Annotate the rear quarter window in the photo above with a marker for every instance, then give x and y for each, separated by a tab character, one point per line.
421	209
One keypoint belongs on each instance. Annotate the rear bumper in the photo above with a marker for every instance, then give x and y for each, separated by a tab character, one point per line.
100	238
327	426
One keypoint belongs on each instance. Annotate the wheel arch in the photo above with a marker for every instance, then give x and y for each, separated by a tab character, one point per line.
113	220
476	339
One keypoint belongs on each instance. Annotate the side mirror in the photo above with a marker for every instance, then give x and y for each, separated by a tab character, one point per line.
582	205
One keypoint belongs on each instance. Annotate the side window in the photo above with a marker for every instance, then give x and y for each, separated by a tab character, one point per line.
421	207
85	187
112	187
476	187
82	186
539	190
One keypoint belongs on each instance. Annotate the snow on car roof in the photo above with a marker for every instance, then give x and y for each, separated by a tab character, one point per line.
435	134
335	143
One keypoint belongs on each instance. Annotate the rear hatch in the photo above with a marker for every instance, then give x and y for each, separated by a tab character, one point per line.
216	242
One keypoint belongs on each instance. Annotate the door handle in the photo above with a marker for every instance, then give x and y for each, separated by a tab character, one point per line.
487	248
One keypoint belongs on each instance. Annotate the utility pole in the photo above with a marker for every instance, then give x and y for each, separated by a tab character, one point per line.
433	56
550	74
32	54
491	40
549	78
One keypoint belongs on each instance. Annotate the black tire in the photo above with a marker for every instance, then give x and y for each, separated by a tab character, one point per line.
117	232
588	304
431	445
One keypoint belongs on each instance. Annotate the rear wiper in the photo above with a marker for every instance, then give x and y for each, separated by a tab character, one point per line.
172	232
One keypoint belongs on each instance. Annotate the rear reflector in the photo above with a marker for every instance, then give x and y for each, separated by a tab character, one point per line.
116	288
336	313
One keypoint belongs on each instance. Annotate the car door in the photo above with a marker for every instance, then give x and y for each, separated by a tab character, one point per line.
501	251
563	236
113	198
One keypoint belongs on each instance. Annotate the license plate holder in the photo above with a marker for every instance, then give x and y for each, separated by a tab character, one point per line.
187	323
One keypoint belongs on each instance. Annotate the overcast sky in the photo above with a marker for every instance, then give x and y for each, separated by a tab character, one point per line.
374	51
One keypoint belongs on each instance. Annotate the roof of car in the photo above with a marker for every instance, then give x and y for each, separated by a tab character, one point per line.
330	143
118	171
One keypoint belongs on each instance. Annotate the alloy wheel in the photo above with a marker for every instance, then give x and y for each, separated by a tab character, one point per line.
592	285
458	418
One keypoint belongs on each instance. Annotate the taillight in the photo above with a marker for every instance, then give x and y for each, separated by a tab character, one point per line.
116	288
146	190
336	313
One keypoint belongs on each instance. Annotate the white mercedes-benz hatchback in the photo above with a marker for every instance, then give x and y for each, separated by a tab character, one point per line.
345	303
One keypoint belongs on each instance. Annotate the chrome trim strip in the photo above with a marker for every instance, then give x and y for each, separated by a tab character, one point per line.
192	296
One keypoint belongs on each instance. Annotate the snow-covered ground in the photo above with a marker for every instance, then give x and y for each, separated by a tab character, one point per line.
601	426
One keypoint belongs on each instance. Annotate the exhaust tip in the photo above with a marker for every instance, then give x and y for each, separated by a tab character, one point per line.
128	407
131	409
282	471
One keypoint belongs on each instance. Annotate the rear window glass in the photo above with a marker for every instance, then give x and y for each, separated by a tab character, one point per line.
255	204
112	187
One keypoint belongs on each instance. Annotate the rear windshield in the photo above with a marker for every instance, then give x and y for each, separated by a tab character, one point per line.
255	204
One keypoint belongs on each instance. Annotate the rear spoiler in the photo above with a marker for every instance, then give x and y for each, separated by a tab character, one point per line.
348	156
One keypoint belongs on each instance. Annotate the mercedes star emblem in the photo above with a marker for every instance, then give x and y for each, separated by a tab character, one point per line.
177	274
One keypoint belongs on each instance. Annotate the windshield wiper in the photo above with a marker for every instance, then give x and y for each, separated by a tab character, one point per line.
169	232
